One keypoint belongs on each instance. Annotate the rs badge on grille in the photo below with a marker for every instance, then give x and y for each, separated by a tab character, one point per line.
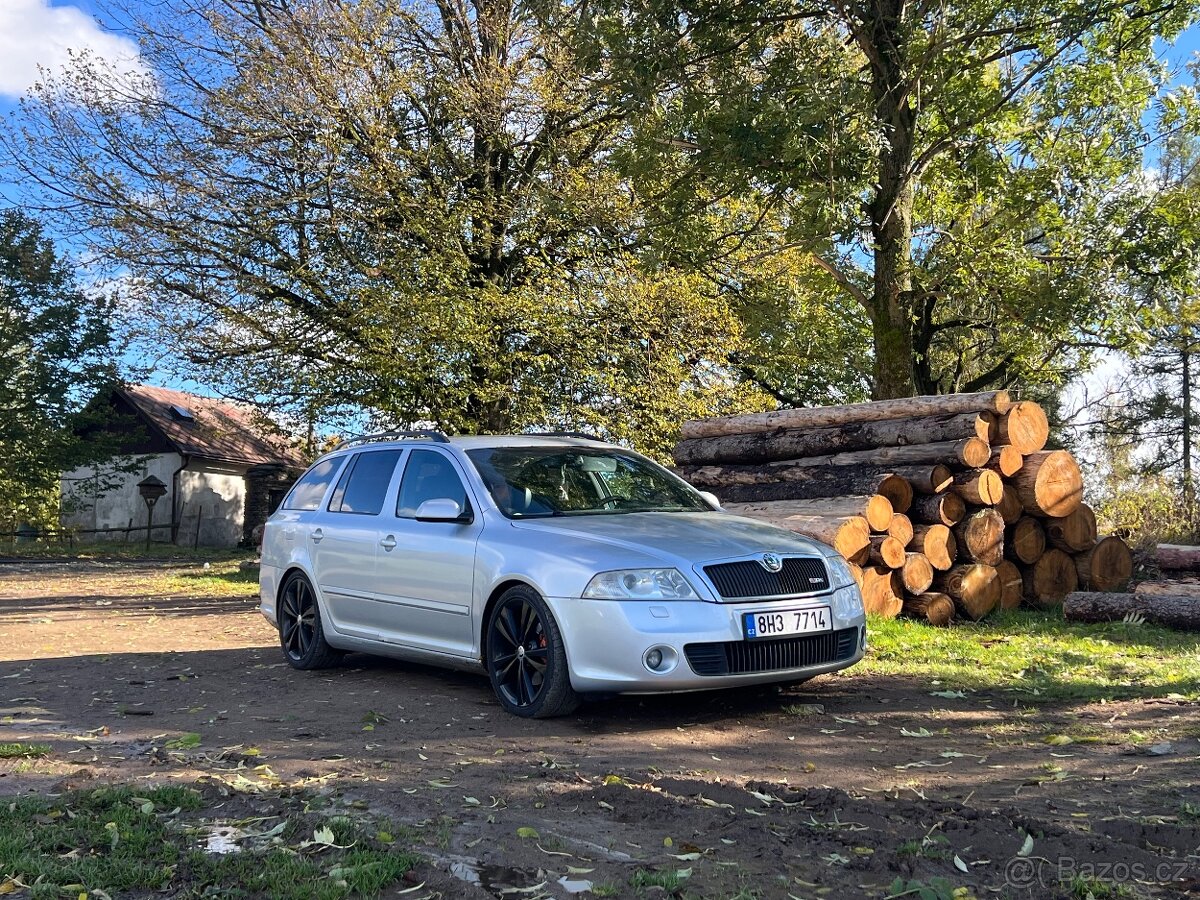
771	562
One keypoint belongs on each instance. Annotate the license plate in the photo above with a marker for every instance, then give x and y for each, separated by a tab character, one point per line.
784	622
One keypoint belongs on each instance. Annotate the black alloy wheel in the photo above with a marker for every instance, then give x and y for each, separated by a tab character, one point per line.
526	658
300	632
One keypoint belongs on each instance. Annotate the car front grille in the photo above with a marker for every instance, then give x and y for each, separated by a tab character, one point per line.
748	578
746	657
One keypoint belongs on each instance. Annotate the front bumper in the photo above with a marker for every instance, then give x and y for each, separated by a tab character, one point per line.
606	642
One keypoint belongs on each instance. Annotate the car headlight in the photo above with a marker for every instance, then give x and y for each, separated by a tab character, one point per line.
839	572
640	584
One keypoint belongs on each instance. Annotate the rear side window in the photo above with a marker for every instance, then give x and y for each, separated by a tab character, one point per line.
428	476
364	483
311	487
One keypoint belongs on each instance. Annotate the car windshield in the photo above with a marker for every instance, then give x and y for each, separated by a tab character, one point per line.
534	482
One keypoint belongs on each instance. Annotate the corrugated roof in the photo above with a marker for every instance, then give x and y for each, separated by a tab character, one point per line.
218	429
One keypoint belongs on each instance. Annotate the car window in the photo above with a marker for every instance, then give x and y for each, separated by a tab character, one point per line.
361	489
529	482
309	490
428	476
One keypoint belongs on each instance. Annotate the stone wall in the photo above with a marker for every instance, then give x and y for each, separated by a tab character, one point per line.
266	486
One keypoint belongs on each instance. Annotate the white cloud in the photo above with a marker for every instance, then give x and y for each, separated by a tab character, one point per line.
33	34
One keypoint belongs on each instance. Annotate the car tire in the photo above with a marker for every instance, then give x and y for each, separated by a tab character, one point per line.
301	634
526	657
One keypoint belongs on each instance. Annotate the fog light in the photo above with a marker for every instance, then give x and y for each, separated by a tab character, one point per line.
660	660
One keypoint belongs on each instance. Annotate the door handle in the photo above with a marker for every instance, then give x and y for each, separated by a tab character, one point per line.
316	535
388	543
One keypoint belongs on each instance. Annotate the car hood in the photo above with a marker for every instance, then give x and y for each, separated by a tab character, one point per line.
679	538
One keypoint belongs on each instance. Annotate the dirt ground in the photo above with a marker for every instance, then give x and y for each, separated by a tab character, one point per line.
835	789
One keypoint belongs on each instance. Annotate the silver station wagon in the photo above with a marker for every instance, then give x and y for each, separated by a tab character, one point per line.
560	565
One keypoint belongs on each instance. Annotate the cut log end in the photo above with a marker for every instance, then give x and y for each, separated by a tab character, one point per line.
939	509
980	537
1050	484
887	551
1074	533
882	591
1107	566
983	487
1012	586
1024	427
934	608
1050	579
917	573
937	543
974	587
1026	541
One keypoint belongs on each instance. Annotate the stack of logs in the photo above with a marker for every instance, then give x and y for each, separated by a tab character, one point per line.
943	505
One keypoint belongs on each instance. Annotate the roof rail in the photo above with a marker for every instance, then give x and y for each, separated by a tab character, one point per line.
582	435
436	436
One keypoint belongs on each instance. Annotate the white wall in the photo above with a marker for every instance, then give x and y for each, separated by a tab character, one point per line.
214	489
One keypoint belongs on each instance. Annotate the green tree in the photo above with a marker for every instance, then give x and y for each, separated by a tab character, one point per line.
56	351
408	207
956	170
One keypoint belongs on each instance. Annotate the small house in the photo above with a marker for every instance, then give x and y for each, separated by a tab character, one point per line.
225	468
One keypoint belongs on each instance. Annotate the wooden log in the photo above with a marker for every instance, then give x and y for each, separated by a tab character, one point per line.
980	537
796	443
1025	427
876	509
1180	557
882	591
856	573
848	535
971	453
934	608
983	487
1172	610
1050	579
1012	585
1009	506
887	551
1106	566
860	558
939	509
997	402
974	587
916	574
926	479
1049	484
1005	461
901	528
937	543
1074	533
1026	541
788	481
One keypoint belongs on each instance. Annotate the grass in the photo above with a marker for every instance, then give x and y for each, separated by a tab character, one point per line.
670	880
1040	655
23	751
117	842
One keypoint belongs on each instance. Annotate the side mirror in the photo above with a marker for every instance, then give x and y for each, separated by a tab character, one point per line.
711	499
441	509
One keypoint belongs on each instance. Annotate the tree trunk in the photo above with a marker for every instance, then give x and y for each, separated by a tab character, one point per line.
1049	484
936	609
1026	541
901	528
937	543
980	537
1012	585
1074	533
1024	427
916	573
882	591
797	443
1050	579
1173	610
875	509
982	487
1107	566
848	535
939	509
974	587
748	484
997	402
1177	556
971	453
